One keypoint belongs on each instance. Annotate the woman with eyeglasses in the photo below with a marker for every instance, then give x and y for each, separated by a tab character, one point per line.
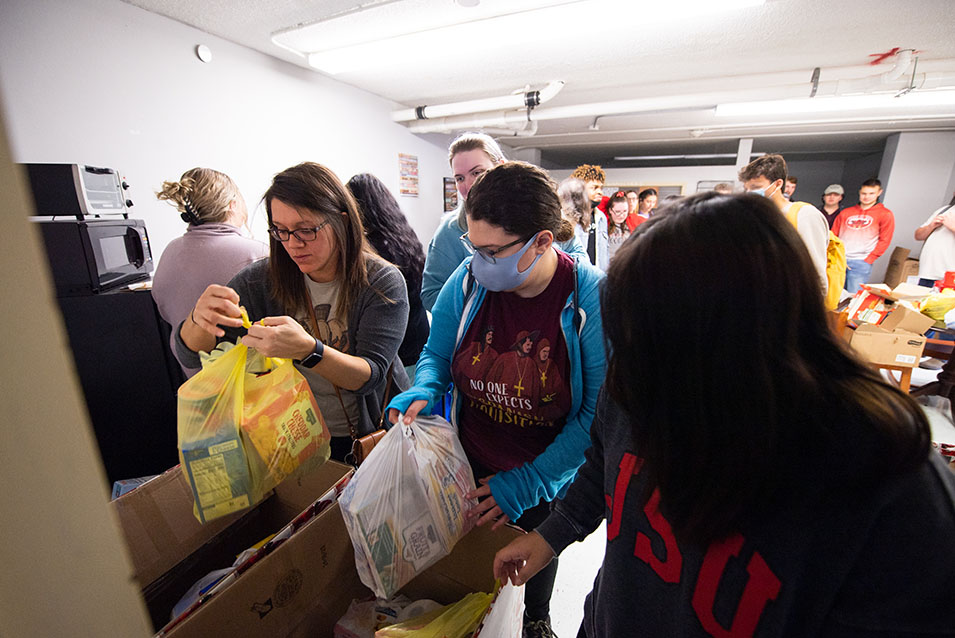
470	155
517	328
324	300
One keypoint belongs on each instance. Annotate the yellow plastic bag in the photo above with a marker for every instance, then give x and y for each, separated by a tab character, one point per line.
937	304
246	423
457	620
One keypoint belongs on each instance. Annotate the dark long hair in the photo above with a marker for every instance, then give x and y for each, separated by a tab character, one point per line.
738	393
314	190
387	228
520	198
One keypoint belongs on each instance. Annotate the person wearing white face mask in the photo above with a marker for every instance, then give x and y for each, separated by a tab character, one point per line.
470	154
211	251
766	176
524	426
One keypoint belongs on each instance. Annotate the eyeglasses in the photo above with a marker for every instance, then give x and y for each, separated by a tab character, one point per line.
301	234
490	255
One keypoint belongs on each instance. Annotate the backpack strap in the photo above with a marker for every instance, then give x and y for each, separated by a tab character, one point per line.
578	325
793	213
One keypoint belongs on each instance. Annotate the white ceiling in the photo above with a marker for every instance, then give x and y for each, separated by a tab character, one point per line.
765	52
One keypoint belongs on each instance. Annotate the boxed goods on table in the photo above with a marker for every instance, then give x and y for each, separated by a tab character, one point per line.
903	317
896	347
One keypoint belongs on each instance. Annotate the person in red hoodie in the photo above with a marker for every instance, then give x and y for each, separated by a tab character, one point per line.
646	202
866	229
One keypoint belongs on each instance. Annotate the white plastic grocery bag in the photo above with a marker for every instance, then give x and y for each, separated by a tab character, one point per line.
405	506
505	618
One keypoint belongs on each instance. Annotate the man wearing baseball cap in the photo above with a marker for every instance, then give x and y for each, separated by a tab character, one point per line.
831	200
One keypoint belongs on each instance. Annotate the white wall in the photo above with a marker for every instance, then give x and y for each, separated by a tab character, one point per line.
104	83
916	185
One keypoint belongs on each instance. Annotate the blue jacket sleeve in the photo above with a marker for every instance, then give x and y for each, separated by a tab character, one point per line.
445	253
573	247
433	371
550	473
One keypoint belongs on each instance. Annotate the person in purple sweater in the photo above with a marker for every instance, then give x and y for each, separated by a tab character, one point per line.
213	249
763	483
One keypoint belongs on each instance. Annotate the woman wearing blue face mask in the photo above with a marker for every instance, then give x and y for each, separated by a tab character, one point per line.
517	329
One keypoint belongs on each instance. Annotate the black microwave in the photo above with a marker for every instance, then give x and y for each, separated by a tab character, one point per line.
96	255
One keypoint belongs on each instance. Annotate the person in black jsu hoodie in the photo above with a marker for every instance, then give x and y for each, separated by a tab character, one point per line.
765	482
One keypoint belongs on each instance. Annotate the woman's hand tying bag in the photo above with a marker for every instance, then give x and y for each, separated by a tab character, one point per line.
279	337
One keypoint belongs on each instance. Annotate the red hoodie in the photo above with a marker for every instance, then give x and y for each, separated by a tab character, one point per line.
866	233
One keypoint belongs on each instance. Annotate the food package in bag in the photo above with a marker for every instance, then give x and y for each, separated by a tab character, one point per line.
246	423
211	452
283	423
405	506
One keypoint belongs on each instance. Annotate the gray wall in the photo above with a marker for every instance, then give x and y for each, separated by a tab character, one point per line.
814	177
857	171
102	82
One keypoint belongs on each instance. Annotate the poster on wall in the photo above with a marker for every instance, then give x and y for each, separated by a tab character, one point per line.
408	175
450	195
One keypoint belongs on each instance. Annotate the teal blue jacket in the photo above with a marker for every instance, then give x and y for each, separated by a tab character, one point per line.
549	474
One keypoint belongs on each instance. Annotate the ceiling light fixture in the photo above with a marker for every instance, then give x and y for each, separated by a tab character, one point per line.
838	103
396	33
657	158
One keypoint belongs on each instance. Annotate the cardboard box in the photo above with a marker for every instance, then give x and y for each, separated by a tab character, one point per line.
877	345
902	318
900	267
910	292
302	588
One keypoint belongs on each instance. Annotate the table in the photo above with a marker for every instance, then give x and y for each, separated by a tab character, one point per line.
944	385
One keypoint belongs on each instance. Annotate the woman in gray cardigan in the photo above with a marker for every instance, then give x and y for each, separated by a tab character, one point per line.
324	300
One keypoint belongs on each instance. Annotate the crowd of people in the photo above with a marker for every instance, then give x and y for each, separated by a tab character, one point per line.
763	483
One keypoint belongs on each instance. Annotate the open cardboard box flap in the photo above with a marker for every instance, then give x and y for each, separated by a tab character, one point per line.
301	588
902	318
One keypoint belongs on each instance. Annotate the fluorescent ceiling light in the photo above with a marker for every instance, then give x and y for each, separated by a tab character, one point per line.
656	158
839	103
403	33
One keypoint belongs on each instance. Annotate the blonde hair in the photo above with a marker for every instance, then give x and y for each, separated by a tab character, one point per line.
476	142
203	194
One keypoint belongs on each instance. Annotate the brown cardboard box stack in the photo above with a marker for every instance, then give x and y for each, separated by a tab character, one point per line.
300	589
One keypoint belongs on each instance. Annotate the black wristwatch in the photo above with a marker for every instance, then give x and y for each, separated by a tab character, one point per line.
314	356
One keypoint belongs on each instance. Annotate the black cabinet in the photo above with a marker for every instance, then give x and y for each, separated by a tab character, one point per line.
129	377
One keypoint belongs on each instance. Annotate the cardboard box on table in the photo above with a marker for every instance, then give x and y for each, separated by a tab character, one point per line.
896	347
877	304
300	589
900	267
